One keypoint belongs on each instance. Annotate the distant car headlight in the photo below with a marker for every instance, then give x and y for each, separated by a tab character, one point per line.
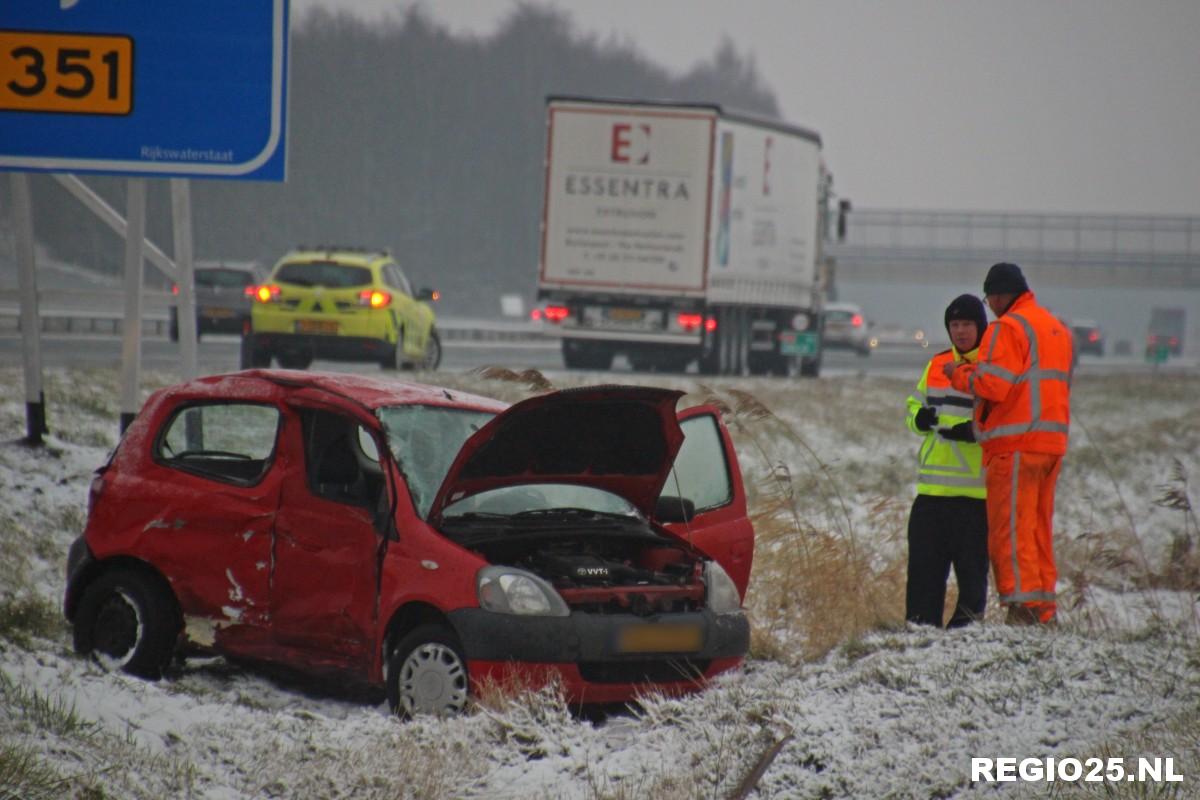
506	590
723	594
800	321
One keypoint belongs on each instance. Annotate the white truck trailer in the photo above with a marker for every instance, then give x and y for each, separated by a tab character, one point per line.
675	233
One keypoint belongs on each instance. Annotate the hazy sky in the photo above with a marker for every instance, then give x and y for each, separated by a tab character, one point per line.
1063	105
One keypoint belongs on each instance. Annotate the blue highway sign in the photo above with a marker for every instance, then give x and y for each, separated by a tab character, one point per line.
186	88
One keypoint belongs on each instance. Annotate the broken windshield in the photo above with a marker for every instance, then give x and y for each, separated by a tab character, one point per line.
424	441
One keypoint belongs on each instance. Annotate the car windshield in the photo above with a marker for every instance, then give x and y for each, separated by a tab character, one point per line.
223	278
323	273
424	441
548	500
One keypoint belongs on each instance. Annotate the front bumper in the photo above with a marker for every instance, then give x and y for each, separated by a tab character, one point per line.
589	653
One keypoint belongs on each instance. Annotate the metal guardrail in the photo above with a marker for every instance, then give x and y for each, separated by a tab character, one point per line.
87	318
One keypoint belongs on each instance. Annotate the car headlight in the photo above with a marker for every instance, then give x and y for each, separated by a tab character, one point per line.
723	594
506	590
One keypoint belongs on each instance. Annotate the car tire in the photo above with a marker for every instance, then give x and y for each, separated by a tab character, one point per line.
394	359
427	674
128	620
295	360
173	327
251	356
433	352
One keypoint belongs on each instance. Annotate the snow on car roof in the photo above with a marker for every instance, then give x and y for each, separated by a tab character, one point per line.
371	392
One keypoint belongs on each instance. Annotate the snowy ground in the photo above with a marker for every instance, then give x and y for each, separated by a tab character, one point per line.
865	706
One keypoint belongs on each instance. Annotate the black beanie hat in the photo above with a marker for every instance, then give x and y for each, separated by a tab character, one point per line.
968	307
1004	278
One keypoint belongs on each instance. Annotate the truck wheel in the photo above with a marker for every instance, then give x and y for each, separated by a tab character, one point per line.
427	674
127	620
810	367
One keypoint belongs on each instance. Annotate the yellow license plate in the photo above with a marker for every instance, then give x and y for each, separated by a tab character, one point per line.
664	638
72	73
625	314
316	326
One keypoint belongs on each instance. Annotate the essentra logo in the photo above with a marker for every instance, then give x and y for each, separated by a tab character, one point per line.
630	143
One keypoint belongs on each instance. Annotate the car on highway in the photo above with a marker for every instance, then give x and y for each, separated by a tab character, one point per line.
341	304
1089	338
845	327
419	539
224	292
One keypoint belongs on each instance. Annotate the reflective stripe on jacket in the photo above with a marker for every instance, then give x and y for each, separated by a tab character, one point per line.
947	468
1023	382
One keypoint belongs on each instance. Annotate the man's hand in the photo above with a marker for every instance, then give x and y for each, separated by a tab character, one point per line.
925	418
962	432
948	369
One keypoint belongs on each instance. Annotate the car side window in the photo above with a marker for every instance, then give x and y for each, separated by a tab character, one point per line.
228	442
701	471
400	279
341	459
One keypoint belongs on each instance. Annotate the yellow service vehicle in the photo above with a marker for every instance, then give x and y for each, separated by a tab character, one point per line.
340	304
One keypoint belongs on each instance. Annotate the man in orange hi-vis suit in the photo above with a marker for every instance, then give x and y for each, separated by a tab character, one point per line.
1022	412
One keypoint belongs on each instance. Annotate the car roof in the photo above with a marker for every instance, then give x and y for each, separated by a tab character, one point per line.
340	255
274	384
231	266
843	307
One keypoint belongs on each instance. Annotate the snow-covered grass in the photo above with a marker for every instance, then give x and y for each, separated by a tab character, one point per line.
864	706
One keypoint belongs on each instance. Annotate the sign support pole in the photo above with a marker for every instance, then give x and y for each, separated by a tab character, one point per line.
131	349
185	307
35	396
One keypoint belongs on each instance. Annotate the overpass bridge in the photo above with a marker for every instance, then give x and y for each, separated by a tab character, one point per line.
1063	250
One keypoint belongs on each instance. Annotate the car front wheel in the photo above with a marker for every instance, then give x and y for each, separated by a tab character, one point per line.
427	674
127	620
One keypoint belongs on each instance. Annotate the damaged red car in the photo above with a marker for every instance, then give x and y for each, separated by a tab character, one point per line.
418	538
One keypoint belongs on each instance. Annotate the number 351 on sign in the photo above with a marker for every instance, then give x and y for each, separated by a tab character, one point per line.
69	73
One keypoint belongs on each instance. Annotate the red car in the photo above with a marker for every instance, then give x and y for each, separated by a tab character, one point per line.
419	538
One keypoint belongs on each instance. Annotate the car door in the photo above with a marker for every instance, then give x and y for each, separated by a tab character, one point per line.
327	546
411	316
208	503
706	473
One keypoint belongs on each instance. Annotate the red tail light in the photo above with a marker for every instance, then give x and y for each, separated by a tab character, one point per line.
1094	336
435	295
374	298
710	324
174	288
1174	340
267	293
250	291
856	320
557	313
536	315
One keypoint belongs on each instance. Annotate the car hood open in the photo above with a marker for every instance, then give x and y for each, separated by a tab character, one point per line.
622	439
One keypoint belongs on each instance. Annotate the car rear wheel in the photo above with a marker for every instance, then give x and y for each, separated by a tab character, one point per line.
251	355
433	352
427	673
295	360
394	359
127	620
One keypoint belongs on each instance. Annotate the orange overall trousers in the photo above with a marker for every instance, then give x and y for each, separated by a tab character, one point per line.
1020	510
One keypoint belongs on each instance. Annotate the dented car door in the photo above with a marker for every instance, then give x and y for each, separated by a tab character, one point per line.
327	546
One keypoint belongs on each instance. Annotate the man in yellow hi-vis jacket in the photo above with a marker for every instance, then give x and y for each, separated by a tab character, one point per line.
948	523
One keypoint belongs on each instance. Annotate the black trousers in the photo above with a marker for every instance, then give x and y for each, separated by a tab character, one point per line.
945	532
